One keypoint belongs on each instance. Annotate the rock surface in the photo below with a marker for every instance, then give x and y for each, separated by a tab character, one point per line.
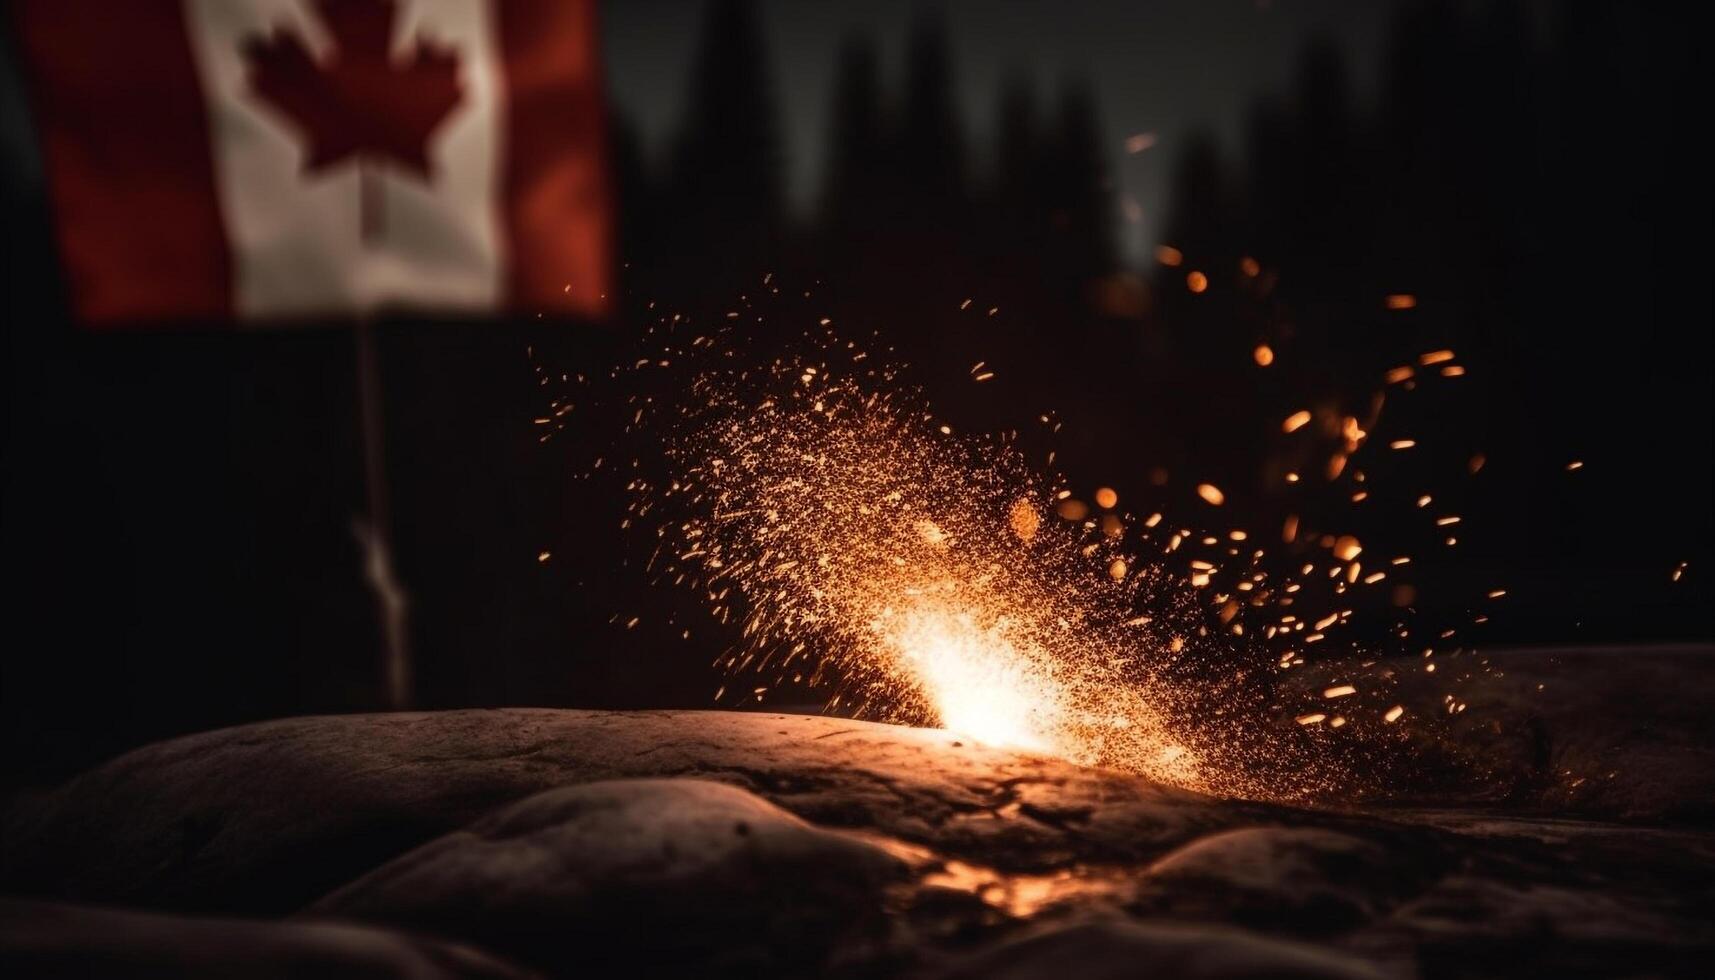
45	939
578	842
266	818
638	874
1116	950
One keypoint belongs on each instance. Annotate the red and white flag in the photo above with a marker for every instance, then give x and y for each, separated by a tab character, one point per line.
252	159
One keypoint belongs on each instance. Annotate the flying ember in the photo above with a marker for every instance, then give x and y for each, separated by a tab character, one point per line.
919	568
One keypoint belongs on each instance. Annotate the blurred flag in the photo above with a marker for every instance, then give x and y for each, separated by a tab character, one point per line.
244	159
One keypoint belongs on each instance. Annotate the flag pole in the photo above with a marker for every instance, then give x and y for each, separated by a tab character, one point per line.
372	530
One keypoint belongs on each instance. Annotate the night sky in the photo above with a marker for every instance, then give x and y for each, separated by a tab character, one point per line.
1162	66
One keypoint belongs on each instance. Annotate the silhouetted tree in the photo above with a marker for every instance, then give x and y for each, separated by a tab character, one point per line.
931	184
856	196
1081	195
1017	212
1322	210
1200	221
932	162
724	224
1015	229
1018	144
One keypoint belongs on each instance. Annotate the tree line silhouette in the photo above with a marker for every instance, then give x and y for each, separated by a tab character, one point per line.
1518	186
898	208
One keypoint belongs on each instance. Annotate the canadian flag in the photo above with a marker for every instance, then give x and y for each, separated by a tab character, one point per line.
229	160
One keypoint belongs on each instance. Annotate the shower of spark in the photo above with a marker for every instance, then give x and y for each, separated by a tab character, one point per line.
866	539
878	562
925	576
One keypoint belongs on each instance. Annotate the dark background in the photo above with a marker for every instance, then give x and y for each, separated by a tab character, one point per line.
178	505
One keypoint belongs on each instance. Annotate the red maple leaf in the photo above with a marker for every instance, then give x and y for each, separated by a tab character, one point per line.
360	101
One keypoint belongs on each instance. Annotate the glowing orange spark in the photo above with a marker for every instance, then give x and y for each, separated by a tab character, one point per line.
1024	519
1072	510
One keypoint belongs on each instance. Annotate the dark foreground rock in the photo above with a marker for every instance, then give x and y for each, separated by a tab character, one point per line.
716	875
1611	733
576	842
44	939
1116	950
266	818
